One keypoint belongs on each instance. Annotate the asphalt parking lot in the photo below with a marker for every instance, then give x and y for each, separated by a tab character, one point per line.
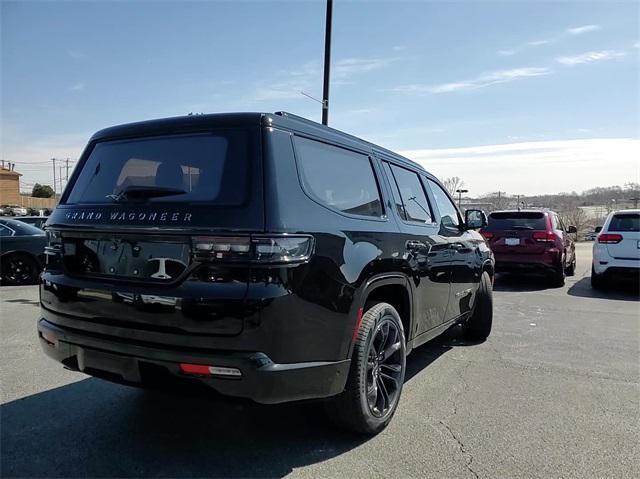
554	392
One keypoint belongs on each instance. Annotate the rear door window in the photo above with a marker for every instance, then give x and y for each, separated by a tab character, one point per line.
341	179
209	168
415	207
629	222
516	220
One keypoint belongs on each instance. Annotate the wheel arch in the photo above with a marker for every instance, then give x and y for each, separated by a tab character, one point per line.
395	290
489	267
20	251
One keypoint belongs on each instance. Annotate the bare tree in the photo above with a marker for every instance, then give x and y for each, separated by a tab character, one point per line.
497	200
575	217
452	184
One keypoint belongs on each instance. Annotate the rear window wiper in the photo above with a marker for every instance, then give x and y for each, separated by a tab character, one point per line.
133	193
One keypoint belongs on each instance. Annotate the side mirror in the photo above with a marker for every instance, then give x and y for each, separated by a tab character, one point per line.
571	229
475	219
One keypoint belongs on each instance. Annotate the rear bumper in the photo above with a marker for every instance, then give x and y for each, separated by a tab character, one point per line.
544	262
622	272
262	380
603	263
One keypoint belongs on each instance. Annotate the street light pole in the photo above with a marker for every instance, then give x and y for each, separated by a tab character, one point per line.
327	64
460	197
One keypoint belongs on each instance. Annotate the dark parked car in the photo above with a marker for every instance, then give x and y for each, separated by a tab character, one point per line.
21	252
531	241
264	255
37	221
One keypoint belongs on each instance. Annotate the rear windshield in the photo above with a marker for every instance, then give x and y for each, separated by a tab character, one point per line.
625	222
210	168
524	220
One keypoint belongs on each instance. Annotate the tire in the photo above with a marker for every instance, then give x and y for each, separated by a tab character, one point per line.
19	269
597	281
559	275
478	326
571	269
374	385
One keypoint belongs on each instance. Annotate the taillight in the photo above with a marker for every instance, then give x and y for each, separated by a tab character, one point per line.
53	250
222	247
609	238
254	248
544	236
487	234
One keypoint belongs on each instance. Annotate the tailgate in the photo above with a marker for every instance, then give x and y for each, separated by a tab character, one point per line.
516	242
138	281
627	226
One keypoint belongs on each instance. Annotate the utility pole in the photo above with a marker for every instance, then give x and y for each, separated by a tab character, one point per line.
54	177
460	197
327	64
61	178
67	165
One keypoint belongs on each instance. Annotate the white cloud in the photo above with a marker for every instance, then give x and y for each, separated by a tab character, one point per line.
347	68
78	86
307	77
76	55
538	43
482	81
583	29
590	57
523	168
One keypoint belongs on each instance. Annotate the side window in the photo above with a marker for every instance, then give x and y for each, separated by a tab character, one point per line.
554	222
4	231
339	178
415	206
448	212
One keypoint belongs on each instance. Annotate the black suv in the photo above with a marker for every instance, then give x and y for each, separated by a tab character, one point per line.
264	255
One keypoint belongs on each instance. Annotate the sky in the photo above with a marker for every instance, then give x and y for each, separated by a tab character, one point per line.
523	97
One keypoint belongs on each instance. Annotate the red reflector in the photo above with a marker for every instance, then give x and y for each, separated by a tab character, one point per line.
487	234
544	236
195	369
608	238
358	321
49	338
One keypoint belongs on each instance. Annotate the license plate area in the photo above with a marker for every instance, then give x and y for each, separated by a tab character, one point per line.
129	257
512	241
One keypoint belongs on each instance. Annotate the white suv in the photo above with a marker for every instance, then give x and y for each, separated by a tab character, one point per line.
616	251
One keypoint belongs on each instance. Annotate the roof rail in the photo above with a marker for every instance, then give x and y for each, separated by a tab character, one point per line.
286	114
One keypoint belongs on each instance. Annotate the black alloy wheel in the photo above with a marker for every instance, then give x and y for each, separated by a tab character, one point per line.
376	376
384	368
19	269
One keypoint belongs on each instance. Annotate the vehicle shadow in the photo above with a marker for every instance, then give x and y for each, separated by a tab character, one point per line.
616	290
92	428
510	282
95	429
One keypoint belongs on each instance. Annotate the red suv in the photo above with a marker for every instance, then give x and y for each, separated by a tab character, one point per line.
531	241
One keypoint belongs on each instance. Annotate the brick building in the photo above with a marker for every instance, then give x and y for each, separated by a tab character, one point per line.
9	187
